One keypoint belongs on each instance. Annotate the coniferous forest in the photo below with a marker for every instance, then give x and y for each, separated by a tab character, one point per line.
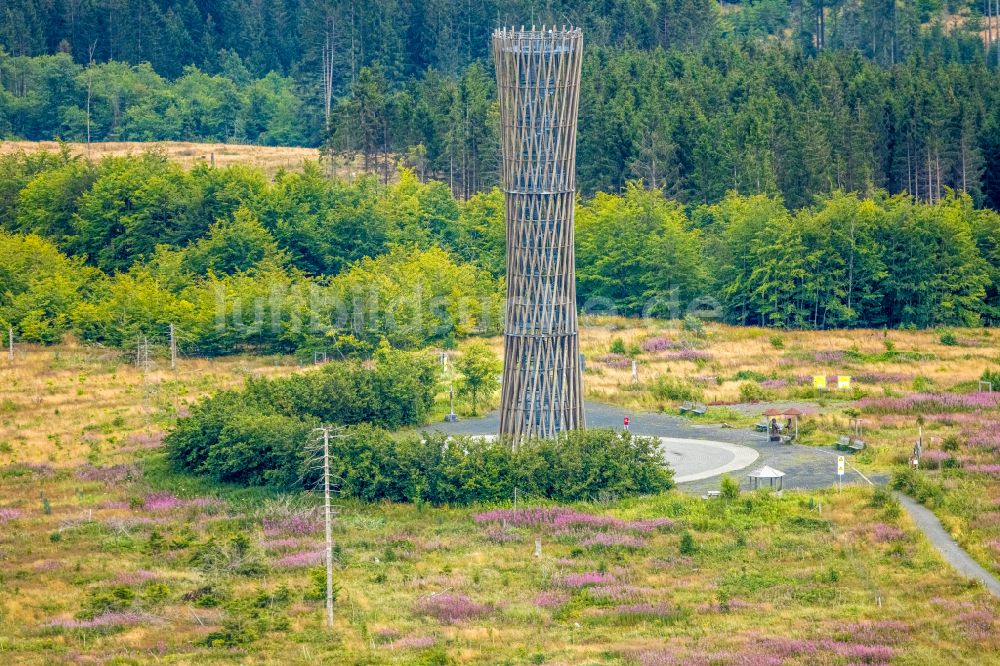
699	98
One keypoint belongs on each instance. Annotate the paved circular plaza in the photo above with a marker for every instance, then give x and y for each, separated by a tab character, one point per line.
697	459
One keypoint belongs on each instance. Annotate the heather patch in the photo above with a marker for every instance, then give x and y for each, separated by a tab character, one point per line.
450	607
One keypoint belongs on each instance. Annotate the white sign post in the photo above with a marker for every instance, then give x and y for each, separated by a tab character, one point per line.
840	473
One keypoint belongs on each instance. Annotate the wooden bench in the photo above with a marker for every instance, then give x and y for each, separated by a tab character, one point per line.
843	442
763	426
699	409
856	445
687	406
712	494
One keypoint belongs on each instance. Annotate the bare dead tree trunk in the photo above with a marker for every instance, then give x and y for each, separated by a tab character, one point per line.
328	71
327	58
90	88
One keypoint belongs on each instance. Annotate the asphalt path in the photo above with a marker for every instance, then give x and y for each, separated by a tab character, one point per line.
697	451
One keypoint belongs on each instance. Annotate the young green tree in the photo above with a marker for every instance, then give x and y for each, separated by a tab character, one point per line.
479	367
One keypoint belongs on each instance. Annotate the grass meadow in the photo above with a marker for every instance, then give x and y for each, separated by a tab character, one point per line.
108	556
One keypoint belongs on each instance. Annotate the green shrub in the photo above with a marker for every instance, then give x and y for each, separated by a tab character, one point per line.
372	465
918	486
883	499
666	387
317	586
751	375
948	338
259	435
752	392
693	325
729	488
777	342
687	545
617	346
992	376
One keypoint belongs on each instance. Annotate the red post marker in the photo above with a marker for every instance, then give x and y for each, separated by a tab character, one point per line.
626	423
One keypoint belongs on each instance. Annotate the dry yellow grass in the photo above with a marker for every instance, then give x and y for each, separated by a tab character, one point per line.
268	158
800	574
731	349
64	406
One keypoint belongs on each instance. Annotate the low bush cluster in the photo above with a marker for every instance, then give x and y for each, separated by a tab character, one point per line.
259	435
372	465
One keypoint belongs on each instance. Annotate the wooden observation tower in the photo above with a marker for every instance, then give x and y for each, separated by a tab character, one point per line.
538	85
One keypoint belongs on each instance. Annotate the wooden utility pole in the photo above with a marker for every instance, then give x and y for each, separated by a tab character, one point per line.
327	520
142	353
10	344
173	348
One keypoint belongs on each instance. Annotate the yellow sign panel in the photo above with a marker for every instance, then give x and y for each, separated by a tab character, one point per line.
843	382
819	381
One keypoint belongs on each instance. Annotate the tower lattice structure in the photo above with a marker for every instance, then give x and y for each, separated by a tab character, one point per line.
538	85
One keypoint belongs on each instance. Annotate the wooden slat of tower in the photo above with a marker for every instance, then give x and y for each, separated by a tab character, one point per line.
538	85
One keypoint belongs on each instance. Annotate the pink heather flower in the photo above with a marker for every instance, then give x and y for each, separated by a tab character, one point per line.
990	469
774	383
658	344
562	518
137	577
651	524
450	607
934	455
412	643
162	502
587	579
146	440
281	544
617	592
299	524
306	558
977	623
985	437
9	514
646	610
882	377
828	356
612	540
688	355
872	632
113	475
551	599
883	533
923	403
620	361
